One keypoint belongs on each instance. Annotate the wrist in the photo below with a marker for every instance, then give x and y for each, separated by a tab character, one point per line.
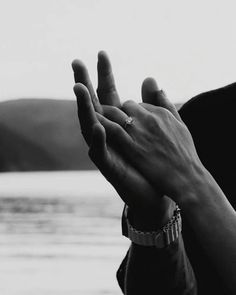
160	238
190	185
199	191
148	220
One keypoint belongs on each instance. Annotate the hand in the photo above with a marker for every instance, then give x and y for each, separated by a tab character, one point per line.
133	188
106	91
157	144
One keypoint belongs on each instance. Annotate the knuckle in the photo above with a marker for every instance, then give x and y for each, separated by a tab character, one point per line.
127	104
106	88
105	71
160	110
153	122
117	130
162	113
110	111
166	115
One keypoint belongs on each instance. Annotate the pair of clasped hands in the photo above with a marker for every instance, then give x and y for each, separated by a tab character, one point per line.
146	160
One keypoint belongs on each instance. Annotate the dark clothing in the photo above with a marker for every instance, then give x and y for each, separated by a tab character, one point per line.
146	270
184	268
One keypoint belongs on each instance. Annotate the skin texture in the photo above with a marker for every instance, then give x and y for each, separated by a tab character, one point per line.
157	143
147	202
155	156
145	148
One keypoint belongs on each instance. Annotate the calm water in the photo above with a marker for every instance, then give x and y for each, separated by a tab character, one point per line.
59	234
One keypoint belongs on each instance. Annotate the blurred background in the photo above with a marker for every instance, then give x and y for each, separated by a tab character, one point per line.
188	46
59	219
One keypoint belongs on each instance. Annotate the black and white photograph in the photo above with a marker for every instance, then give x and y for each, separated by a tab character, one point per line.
117	147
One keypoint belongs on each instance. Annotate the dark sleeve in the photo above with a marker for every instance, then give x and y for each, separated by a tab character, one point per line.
148	270
151	271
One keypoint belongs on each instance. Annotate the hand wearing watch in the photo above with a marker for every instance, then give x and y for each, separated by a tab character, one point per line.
161	238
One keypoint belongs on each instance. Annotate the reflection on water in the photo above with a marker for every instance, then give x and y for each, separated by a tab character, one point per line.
63	238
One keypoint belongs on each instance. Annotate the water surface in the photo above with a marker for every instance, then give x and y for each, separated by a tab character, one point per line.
59	234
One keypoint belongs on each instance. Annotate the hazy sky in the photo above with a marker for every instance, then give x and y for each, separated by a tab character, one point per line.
188	46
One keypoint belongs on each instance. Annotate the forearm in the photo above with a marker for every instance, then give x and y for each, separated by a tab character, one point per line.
154	271
213	220
148	270
150	221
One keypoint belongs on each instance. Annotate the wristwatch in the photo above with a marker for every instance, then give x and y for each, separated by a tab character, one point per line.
160	238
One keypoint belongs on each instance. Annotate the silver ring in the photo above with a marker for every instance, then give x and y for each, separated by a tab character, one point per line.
128	122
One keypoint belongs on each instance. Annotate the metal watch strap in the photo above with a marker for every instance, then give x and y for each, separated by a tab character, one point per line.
161	238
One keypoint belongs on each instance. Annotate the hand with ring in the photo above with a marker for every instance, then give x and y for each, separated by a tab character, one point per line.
135	190
157	143
145	151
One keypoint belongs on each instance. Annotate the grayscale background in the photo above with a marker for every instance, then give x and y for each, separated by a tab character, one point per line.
60	227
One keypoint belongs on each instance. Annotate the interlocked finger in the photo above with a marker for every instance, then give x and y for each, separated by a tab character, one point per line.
132	109
106	90
81	75
152	94
118	116
86	112
116	133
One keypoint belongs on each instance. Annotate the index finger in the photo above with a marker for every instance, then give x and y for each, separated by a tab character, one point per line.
152	94
86	111
81	75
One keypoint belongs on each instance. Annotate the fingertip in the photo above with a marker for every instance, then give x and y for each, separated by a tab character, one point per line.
151	84
80	89
98	137
151	92
74	64
129	104
102	54
103	60
77	64
77	88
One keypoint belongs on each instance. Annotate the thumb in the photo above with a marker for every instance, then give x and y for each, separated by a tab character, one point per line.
152	94
150	91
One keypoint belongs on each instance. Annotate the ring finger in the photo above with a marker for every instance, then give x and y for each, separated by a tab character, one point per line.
118	116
